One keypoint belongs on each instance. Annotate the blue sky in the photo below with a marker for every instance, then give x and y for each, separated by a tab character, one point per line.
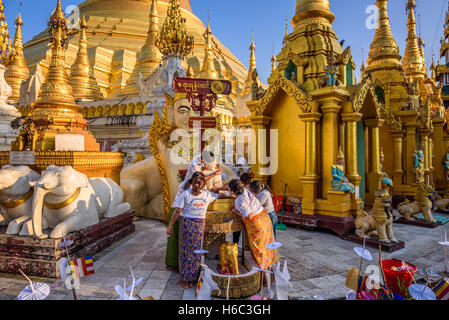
232	21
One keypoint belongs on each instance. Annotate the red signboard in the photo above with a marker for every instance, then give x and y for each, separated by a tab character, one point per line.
202	86
204	122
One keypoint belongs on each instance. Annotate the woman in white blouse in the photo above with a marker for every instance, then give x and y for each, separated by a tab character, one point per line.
258	225
265	199
191	209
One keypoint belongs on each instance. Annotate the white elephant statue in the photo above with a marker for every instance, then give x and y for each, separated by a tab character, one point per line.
16	198
66	201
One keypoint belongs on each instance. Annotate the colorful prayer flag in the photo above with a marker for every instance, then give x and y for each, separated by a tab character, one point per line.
82	267
442	290
199	285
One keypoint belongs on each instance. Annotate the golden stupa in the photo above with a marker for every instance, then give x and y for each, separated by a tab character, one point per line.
17	71
56	132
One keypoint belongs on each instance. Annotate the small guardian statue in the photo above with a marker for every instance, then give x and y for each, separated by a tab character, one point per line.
418	164
339	181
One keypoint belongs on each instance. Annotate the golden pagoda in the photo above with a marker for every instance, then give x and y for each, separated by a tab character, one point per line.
6	48
149	57
17	71
56	132
413	62
82	79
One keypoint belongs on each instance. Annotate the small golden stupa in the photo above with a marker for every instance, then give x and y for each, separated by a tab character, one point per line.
55	131
17	71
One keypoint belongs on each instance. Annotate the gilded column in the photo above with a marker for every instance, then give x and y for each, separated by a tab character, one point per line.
330	99
352	172
311	178
424	135
398	156
259	123
439	150
411	123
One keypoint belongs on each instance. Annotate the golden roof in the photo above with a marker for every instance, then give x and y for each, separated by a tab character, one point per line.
413	62
384	50
17	71
173	38
82	78
149	57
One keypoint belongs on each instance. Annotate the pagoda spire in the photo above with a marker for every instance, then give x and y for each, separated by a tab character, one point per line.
413	61
252	59
55	111
208	71
56	90
17	71
82	77
306	9
149	57
273	61
384	49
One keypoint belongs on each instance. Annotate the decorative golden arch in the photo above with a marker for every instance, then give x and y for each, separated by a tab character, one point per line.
130	109
360	97
114	110
294	58
85	112
107	110
139	108
157	130
281	83
99	111
91	112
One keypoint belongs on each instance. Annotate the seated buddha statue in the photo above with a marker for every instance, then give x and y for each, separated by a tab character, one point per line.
339	181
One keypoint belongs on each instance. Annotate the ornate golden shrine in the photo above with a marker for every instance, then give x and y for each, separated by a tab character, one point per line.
359	118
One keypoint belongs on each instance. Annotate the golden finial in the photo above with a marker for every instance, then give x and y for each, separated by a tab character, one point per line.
82	78
340	154
252	56
384	48
413	61
208	71
17	71
149	57
273	60
6	48
173	38
382	155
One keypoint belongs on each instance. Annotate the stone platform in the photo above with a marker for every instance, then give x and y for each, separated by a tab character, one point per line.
373	242
418	223
38	257
340	225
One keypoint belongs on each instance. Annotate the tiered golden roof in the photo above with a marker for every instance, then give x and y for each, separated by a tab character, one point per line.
384	50
17	71
55	110
208	71
6	48
413	62
82	79
173	38
149	57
